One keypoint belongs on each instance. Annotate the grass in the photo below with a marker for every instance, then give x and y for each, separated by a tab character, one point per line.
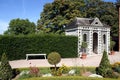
46	70
67	78
43	70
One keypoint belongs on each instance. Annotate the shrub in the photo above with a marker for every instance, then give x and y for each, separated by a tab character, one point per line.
54	58
116	67
15	72
5	68
54	72
104	66
63	70
19	46
111	74
34	71
29	72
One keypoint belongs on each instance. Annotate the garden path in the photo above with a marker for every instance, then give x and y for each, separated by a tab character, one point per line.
92	61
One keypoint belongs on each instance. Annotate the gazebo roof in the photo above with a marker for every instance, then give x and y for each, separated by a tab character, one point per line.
85	22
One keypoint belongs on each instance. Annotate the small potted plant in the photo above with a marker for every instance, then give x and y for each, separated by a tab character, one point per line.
112	44
84	46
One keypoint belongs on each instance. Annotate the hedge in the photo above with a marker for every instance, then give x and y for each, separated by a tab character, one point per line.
67	78
16	47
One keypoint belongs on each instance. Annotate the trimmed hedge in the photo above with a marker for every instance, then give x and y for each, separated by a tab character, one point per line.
68	78
17	47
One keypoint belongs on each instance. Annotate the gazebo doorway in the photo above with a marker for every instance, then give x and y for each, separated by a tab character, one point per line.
95	43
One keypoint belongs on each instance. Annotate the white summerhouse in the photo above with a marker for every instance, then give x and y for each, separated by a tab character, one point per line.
92	31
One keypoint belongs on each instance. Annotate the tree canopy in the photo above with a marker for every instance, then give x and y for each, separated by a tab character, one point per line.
59	13
21	26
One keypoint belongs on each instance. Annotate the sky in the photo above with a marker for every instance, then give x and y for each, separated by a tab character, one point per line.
23	9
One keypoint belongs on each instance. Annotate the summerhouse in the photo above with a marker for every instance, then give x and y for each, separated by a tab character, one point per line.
93	32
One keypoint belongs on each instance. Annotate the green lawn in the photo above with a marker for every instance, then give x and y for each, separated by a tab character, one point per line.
46	70
43	70
67	78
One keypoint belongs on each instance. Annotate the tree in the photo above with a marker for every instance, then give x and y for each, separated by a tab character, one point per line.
5	68
20	26
57	15
104	66
60	13
54	58
105	11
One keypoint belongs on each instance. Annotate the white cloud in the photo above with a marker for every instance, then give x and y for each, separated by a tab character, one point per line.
3	26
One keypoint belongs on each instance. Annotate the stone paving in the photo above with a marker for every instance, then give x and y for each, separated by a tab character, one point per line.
91	60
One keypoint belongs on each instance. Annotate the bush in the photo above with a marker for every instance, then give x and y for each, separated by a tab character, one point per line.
16	47
15	72
111	74
63	70
54	58
34	71
116	67
104	66
60	70
5	68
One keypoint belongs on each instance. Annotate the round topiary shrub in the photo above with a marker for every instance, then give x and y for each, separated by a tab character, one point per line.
54	58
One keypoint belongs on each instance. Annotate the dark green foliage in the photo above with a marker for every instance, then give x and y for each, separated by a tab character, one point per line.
15	72
20	26
116	67
84	46
60	13
104	66
5	68
112	44
112	74
54	58
16	47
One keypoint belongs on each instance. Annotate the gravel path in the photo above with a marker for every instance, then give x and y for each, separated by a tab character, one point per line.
92	61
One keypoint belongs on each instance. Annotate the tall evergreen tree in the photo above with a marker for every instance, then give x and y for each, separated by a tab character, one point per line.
104	66
5	68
